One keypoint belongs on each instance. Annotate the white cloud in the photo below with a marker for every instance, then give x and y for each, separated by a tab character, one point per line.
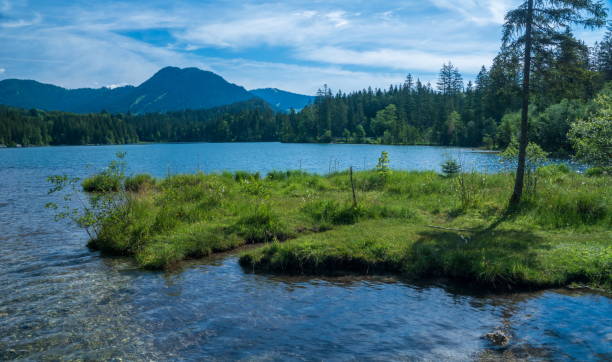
382	39
480	12
298	78
337	18
84	59
20	23
348	45
407	60
2	70
262	26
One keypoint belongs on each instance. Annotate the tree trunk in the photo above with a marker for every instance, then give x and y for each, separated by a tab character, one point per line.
520	169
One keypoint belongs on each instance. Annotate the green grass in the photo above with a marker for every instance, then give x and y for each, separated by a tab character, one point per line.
139	183
101	183
504	258
308	224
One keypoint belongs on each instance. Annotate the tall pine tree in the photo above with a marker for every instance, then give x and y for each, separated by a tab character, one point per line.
536	25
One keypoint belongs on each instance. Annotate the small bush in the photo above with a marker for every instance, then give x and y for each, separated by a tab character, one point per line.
451	168
383	163
101	183
139	183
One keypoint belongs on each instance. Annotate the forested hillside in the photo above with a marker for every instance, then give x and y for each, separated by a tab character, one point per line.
483	113
252	120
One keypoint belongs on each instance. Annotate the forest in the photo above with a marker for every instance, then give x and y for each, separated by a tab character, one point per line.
566	78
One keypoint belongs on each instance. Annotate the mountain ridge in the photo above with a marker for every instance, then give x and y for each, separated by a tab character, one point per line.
283	100
169	89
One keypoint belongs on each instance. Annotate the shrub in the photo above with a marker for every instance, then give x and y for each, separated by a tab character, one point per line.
592	137
101	183
383	164
139	183
451	168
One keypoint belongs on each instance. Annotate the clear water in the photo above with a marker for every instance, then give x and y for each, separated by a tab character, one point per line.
59	300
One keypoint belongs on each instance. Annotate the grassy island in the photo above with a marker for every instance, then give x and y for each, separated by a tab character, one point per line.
418	224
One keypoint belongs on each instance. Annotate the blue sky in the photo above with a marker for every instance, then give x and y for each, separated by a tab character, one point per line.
293	45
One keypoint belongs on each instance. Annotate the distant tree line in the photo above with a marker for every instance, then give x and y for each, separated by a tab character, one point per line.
483	113
246	121
36	128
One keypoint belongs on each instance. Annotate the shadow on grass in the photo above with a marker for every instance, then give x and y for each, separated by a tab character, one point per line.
501	259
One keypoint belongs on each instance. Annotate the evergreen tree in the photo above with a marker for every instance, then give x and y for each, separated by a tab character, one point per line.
603	55
535	25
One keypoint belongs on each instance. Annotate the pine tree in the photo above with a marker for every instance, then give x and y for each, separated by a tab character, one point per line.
535	25
603	57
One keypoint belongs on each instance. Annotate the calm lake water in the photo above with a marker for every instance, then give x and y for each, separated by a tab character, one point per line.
59	300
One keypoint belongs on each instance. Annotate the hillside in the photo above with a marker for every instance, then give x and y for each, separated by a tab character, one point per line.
282	100
170	89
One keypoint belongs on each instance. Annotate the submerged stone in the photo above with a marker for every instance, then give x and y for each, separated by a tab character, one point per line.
498	338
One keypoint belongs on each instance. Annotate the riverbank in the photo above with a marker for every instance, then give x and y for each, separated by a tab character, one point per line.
418	224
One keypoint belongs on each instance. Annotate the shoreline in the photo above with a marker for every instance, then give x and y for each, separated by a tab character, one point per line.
293	222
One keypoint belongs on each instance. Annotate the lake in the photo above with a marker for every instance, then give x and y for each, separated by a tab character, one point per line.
59	300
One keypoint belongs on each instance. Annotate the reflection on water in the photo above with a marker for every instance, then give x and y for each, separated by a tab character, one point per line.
60	300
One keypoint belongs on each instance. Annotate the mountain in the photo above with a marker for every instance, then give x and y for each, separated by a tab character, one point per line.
173	89
283	100
170	89
32	94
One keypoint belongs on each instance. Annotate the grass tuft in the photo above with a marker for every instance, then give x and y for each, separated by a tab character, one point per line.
139	183
101	183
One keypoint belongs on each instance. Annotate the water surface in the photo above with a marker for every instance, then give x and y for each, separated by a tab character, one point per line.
59	300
